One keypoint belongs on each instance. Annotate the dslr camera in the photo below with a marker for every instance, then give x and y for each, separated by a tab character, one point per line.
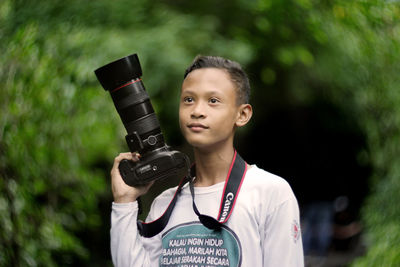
122	79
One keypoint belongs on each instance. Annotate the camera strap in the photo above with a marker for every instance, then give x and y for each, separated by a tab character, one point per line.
153	228
233	183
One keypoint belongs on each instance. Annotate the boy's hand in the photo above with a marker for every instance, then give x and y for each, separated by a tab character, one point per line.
122	192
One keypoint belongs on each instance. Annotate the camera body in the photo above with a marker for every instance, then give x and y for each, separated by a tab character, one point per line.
122	79
155	166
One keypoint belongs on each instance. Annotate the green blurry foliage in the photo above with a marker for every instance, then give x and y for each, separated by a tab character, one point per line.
51	135
356	61
363	52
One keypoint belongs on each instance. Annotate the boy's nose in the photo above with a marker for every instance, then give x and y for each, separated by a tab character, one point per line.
198	111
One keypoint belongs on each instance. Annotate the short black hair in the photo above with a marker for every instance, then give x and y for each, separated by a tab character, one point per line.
237	74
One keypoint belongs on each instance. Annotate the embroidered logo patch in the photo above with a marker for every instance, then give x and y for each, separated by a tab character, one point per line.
295	231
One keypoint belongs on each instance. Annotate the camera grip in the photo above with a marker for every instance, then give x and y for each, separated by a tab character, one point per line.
127	171
156	166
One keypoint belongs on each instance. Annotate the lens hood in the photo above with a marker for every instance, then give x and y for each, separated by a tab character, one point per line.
119	72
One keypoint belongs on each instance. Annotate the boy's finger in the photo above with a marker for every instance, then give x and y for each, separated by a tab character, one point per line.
122	156
135	156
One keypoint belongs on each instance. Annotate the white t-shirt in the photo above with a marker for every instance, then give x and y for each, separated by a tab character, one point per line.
262	231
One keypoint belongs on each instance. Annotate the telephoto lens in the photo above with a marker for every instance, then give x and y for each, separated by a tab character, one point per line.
122	79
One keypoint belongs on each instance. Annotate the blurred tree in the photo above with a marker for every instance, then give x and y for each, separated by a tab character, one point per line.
51	136
364	51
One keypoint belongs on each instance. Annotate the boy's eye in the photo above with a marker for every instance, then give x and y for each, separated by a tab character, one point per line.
213	100
188	99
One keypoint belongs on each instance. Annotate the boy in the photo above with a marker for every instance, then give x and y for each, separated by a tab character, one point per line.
263	229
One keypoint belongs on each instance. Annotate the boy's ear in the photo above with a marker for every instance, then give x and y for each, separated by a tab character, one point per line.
244	114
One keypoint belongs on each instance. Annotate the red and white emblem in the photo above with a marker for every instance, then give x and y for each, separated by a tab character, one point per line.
296	231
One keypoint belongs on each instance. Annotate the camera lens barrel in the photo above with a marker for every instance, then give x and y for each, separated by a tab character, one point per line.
122	79
133	105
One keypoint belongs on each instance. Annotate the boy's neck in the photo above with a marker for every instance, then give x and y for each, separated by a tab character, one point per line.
212	167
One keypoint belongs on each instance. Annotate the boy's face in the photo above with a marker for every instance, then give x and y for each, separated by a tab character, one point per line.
208	111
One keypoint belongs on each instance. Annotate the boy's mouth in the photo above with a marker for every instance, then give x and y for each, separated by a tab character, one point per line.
197	126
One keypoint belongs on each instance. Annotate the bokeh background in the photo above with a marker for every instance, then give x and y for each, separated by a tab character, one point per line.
326	96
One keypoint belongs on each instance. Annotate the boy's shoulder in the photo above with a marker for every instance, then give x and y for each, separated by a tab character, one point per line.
266	184
260	177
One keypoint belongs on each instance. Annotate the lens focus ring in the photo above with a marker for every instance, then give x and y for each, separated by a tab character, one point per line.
131	99
143	125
